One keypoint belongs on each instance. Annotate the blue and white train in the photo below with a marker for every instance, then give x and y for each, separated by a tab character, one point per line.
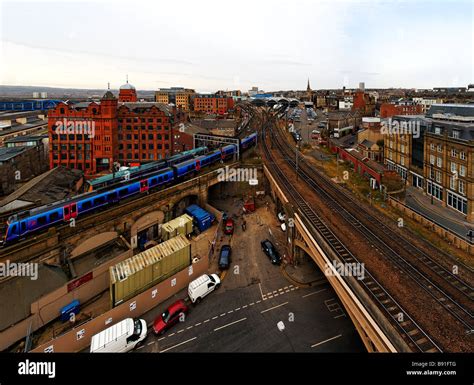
32	221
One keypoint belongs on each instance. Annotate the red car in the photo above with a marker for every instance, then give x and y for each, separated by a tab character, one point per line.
229	226
170	317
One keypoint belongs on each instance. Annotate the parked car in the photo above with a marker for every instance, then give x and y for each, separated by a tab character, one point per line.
170	317
225	257
270	251
119	338
229	226
202	286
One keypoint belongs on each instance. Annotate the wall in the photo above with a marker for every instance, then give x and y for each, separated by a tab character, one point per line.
144	302
46	309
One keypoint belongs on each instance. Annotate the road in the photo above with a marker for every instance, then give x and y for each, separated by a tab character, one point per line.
242	315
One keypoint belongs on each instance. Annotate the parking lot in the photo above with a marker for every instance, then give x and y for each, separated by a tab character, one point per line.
242	315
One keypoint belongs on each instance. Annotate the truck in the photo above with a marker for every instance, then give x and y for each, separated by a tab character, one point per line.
119	338
201	218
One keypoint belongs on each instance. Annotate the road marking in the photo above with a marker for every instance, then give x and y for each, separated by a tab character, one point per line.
223	314
329	339
162	338
206	321
181	343
340	315
260	287
237	309
150	343
286	287
287	291
215	317
270	296
189	327
232	323
141	347
274	307
171	335
243	307
253	303
258	301
199	323
314	292
276	295
230	311
182	330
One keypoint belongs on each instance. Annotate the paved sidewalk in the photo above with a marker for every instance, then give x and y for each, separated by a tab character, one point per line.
305	273
444	216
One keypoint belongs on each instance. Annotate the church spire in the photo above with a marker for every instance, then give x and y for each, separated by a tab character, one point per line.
308	88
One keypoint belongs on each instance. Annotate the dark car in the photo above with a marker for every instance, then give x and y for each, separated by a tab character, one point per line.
270	251
229	226
170	317
225	257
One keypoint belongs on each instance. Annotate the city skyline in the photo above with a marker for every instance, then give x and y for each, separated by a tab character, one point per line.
276	46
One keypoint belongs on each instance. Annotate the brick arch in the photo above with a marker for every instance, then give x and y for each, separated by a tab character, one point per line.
93	242
147	220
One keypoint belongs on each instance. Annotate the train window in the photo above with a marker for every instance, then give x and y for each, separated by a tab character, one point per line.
111	196
99	200
22	227
66	210
53	216
123	192
14	227
42	220
86	205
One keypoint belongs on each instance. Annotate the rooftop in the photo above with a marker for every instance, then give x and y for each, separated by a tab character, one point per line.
7	153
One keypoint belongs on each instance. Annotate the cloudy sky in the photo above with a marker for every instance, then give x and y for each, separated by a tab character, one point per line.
223	44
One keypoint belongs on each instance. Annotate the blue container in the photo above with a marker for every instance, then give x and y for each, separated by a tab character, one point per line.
202	219
67	310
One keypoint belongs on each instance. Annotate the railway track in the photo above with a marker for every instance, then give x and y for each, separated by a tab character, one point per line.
416	338
382	237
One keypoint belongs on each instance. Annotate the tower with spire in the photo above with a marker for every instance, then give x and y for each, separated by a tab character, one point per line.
127	93
309	92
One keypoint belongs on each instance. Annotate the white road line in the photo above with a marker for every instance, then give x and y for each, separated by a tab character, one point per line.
314	292
329	339
237	309
223	314
162	338
181	343
258	301
206	321
199	323
270	296
340	315
287	291
180	331
253	303
286	287
141	347
243	307
274	307
230	311
276	295
232	323
189	327
150	343
260	287
171	335
215	317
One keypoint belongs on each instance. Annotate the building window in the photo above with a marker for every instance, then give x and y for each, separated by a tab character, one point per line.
432	146
462	187
452	183
402	161
456	202
432	159
435	190
454	153
439	162
456	134
437	130
453	167
462	170
438	176
462	155
440	148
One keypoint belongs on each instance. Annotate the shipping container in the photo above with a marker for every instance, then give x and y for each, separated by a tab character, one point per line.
202	219
180	225
138	273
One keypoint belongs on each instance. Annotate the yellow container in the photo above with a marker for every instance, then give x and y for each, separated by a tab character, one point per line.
136	274
180	225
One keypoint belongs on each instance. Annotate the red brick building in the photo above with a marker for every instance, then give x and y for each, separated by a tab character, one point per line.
388	110
84	135
213	104
144	132
91	136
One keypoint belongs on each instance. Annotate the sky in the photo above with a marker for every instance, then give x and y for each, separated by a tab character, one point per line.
220	44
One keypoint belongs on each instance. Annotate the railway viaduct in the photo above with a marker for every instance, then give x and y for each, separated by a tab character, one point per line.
125	219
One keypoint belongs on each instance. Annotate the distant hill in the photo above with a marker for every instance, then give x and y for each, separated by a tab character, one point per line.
9	92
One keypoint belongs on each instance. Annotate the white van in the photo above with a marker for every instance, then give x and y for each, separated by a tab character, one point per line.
119	338
202	286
